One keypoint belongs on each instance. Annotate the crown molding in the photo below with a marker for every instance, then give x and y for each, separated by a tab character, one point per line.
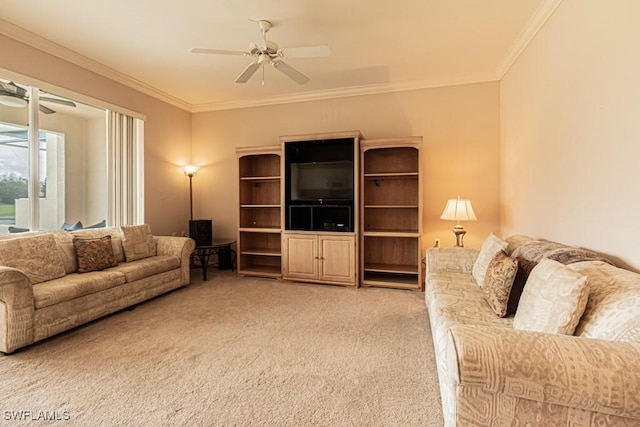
22	35
27	37
537	21
342	93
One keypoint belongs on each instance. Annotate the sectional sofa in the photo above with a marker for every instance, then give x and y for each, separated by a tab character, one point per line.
513	370
51	282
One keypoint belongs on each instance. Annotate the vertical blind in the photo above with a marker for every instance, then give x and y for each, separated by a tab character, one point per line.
124	136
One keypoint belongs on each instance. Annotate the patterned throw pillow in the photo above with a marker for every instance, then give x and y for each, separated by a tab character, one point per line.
553	299
94	254
489	249
138	242
497	282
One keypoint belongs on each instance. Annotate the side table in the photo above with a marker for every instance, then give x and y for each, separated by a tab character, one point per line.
202	253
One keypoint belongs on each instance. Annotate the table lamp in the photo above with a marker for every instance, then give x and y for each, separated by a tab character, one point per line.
458	210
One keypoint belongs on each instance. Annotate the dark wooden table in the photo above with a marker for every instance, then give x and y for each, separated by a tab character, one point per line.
202	254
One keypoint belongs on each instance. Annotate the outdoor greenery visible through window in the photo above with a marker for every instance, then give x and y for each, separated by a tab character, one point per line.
14	170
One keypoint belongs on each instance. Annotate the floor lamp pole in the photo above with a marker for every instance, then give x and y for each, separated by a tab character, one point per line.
190	197
190	171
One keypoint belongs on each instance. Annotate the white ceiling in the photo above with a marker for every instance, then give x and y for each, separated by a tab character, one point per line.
377	46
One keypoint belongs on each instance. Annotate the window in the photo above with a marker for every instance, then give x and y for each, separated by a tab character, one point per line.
73	165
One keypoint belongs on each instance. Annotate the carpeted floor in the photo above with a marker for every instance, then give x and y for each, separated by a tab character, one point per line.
236	351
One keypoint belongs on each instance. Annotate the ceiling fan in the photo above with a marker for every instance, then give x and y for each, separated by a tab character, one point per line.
269	53
13	95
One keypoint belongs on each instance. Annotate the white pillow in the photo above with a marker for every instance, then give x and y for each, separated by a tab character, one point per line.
553	299
489	249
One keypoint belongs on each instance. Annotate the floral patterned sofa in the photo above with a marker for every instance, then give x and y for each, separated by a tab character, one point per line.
51	282
494	374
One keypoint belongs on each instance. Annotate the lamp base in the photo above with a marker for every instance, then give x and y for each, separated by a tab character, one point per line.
459	231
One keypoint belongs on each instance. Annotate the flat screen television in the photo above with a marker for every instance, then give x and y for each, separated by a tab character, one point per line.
322	181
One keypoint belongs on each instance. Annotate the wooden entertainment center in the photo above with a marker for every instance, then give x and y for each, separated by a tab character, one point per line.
332	208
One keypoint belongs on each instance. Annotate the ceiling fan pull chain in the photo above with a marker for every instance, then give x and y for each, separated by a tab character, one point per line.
262	74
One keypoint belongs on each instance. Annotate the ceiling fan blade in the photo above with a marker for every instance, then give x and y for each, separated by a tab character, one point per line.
248	72
46	110
58	101
220	52
290	72
305	52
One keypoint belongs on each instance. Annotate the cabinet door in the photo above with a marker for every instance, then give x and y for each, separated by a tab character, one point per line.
338	258
301	256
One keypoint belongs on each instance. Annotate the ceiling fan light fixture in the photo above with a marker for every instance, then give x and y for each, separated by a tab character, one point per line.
12	101
264	59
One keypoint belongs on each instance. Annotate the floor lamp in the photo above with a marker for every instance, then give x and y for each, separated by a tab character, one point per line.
190	171
458	210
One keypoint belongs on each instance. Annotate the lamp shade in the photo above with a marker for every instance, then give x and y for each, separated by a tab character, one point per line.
190	170
458	210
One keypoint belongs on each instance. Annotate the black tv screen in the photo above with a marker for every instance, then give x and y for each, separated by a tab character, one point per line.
322	180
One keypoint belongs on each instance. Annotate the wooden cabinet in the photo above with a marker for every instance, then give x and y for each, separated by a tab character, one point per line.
320	257
391	213
259	231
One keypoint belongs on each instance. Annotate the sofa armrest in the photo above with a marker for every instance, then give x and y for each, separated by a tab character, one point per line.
451	260
589	374
182	247
16	309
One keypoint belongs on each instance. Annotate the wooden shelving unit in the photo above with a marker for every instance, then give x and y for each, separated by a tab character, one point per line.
391	213
311	253
259	231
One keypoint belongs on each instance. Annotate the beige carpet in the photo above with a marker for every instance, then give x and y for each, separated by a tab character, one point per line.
234	351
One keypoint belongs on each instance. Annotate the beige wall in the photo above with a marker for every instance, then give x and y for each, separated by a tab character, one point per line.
459	125
570	131
167	128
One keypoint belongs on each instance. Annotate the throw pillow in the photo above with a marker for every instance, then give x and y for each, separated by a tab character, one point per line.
71	227
491	246
497	282
94	254
553	299
138	242
571	255
101	224
37	256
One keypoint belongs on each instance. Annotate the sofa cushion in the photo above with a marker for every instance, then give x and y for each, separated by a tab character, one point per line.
94	254
497	283
37	256
139	269
138	242
613	309
491	246
64	239
74	286
456	299
553	299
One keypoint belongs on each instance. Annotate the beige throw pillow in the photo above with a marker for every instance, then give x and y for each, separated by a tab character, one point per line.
37	256
94	254
138	242
553	299
497	282
491	246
